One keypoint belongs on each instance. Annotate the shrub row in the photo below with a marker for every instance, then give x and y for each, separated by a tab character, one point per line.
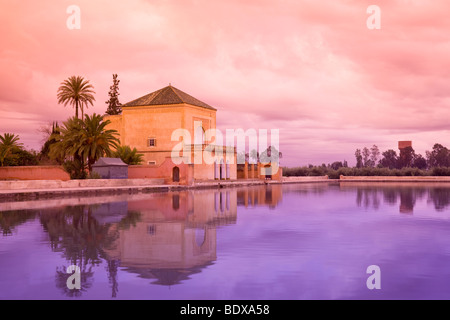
345	171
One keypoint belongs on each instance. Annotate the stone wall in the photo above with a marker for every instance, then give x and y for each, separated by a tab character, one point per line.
34	173
163	171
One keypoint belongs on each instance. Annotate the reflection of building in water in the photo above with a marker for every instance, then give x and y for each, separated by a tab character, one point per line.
407	201
271	195
176	234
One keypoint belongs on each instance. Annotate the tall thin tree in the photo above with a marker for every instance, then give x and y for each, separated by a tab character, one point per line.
77	92
114	106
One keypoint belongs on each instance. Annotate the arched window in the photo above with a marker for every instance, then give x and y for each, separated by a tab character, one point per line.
199	133
176	174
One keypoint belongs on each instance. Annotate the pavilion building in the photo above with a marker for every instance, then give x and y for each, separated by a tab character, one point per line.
152	124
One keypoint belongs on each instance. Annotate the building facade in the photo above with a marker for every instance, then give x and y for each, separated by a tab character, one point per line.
170	128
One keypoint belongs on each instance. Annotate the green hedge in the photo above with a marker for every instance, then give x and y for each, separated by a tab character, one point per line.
345	171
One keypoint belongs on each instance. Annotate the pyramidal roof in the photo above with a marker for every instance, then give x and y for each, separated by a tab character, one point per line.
167	95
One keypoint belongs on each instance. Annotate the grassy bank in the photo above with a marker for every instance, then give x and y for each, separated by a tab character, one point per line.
345	171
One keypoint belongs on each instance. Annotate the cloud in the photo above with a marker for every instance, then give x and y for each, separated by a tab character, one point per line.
312	69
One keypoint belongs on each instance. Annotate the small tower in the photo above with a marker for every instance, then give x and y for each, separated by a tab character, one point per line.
404	144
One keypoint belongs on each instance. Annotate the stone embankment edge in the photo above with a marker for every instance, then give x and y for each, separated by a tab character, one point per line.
32	190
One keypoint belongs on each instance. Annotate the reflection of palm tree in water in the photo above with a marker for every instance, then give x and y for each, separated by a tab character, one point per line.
11	219
86	277
82	240
112	276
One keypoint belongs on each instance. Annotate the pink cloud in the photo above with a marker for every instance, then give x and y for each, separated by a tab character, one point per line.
311	69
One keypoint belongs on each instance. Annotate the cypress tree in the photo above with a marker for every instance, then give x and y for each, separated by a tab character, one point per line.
114	106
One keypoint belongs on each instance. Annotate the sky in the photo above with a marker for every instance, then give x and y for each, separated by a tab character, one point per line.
312	69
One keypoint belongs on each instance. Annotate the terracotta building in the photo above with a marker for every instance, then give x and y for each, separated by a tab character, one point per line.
404	144
153	125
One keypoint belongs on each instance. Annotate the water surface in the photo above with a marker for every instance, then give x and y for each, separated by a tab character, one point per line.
297	241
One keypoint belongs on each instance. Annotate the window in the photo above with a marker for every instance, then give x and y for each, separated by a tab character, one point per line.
199	133
151	229
151	142
152	162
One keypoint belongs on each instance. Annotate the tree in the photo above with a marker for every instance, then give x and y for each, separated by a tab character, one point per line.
254	155
389	159
77	92
359	161
46	131
67	139
374	155
366	157
336	165
130	157
271	154
22	157
9	143
438	157
420	162
242	157
52	137
114	106
84	142
96	141
65	147
406	157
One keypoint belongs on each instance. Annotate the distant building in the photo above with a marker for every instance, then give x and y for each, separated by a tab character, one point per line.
404	144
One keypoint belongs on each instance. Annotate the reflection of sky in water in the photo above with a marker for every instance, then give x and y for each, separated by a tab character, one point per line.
301	242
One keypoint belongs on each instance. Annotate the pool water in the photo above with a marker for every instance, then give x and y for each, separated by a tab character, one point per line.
295	241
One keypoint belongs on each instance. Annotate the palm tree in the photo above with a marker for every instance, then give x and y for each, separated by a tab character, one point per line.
77	92
67	140
8	143
85	141
96	141
64	148
128	155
